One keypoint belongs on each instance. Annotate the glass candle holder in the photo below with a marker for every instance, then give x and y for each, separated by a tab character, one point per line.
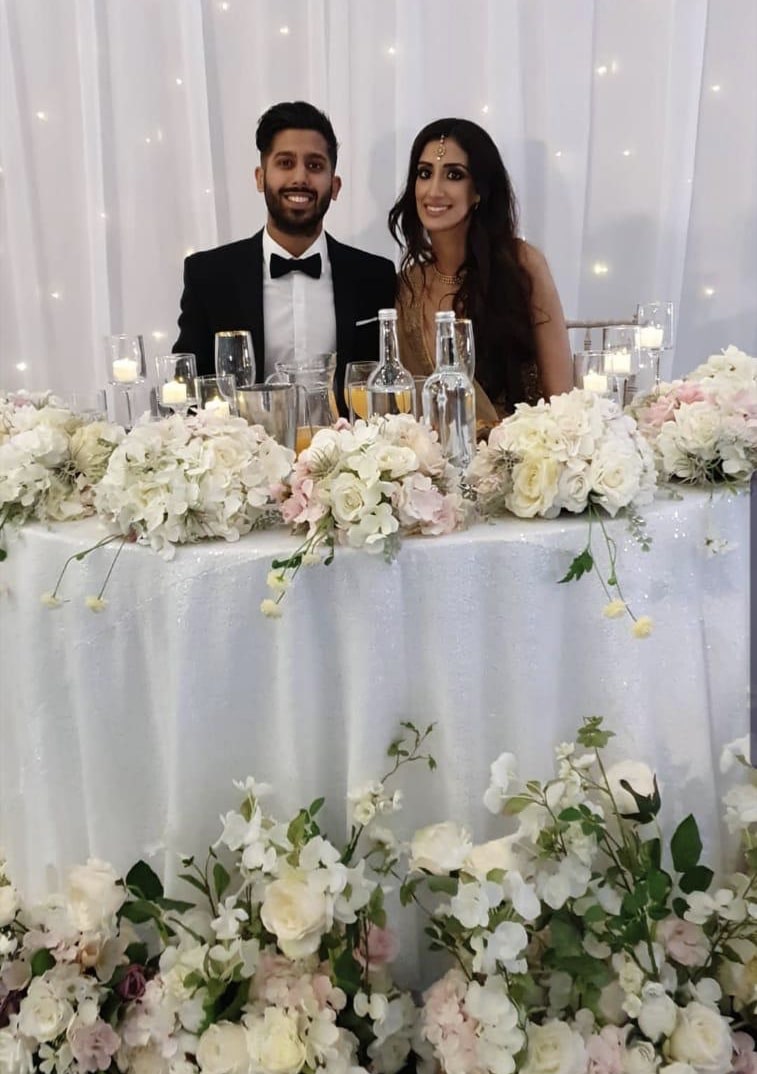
217	395
594	377
656	321
125	359
175	376
620	344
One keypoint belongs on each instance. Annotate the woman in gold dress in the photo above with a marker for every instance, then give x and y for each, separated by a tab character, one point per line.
457	223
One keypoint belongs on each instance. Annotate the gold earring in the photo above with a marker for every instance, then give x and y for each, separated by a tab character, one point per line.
441	148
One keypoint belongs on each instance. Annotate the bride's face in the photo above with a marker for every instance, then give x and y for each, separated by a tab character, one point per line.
444	190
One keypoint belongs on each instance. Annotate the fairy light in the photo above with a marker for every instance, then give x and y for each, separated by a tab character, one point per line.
602	69
709	292
21	367
391	51
599	268
626	152
715	87
55	294
558	152
158	335
41	116
284	30
179	81
485	109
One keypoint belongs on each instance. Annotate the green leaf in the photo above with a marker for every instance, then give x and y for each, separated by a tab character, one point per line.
659	885
446	884
143	881
569	814
580	566
179	906
680	906
347	972
229	1006
316	806
41	961
137	952
190	878
3	554
686	846
590	734
593	914
697	879
516	804
139	911
647	805
221	879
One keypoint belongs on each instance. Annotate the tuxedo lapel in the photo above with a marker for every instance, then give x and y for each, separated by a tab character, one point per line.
249	278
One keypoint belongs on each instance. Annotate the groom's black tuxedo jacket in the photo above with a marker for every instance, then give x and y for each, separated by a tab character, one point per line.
223	290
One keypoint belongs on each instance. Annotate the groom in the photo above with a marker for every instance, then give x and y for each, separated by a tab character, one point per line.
295	288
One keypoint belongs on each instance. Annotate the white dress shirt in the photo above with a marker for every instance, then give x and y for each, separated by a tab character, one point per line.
298	311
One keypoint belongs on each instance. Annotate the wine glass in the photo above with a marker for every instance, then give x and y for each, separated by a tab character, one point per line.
175	383
466	345
656	331
235	357
355	379
128	393
620	344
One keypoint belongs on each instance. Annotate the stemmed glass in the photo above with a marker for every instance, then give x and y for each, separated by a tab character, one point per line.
466	345
620	344
355	379
656	331
127	392
235	357
175	382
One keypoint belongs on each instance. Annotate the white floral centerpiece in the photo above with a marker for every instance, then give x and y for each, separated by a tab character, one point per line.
185	479
364	486
50	460
576	453
281	967
703	428
580	941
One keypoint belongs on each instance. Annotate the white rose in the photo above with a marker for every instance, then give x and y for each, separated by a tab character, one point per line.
351	498
574	486
8	904
678	1068
496	854
15	1057
275	1044
640	1058
440	848
91	447
534	491
44	1014
701	1038
615	474
554	1048
297	914
222	1049
147	1060
657	1017
638	775
93	895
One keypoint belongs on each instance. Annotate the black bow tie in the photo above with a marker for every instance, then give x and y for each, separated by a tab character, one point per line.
311	266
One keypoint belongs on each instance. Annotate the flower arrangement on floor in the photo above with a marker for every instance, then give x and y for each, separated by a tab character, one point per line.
50	460
281	967
578	452
703	428
581	942
366	485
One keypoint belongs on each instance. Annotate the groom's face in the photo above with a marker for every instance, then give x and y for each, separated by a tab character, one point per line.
298	181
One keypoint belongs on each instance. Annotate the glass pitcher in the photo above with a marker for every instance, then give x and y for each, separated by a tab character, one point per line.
316	402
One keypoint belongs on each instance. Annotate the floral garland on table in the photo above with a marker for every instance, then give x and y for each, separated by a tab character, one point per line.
282	967
703	428
580	944
365	485
578	452
182	480
50	460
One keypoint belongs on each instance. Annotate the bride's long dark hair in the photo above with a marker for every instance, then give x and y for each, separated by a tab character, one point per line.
496	288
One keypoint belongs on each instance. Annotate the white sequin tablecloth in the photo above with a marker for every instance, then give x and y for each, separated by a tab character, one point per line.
121	732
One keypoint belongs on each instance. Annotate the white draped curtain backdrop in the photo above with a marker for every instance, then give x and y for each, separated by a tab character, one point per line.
127	140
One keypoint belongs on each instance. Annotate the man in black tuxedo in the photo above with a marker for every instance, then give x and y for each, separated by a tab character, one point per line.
297	290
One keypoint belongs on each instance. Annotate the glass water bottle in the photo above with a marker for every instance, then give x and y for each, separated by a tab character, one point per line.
390	388
449	399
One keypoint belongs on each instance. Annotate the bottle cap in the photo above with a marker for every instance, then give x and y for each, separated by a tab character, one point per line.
444	315
387	315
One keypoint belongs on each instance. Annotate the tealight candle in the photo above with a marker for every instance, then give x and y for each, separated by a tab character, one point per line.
595	382
650	337
618	362
219	407
125	370
173	392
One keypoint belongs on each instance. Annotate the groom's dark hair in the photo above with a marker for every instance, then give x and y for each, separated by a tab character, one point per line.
294	115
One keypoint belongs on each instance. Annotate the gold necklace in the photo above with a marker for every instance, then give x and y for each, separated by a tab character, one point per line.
451	281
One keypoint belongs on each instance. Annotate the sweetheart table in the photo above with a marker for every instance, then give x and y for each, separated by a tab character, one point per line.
122	731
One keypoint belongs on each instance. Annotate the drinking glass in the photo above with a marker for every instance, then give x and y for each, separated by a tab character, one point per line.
466	345
594	377
656	323
90	405
234	357
274	406
355	379
620	344
175	382
217	395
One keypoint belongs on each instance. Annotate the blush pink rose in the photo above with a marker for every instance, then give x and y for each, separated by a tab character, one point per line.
93	1046
683	941
381	946
605	1050
690	392
744	1059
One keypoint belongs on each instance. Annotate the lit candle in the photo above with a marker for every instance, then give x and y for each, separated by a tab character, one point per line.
618	362
173	392
595	382
125	370
650	337
219	407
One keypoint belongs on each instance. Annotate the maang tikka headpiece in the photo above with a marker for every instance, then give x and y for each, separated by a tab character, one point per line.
441	149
